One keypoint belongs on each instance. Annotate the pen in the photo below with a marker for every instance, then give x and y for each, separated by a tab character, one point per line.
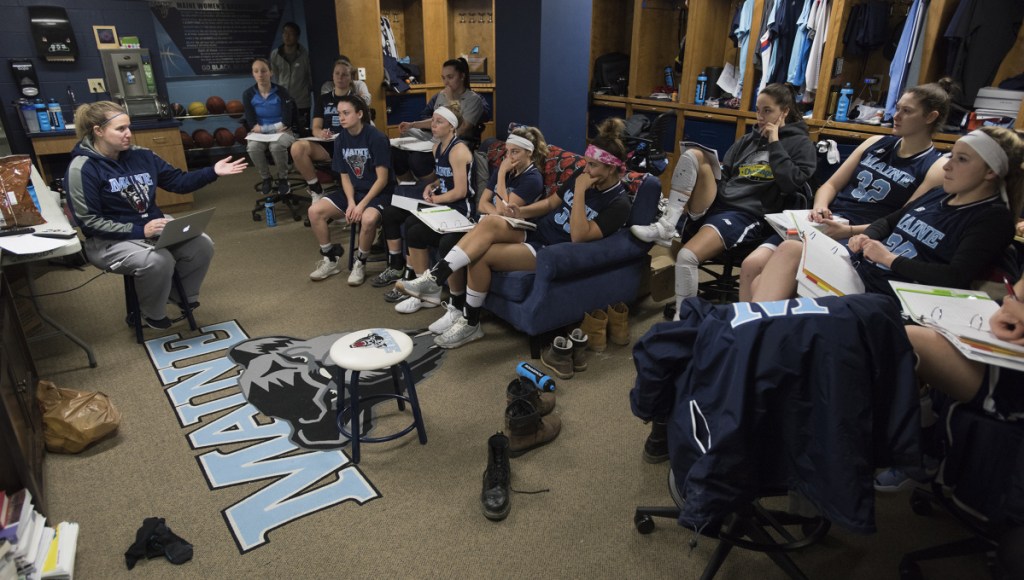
1009	289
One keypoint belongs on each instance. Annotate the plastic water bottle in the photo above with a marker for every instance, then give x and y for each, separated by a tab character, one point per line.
28	115
43	116
32	193
56	115
702	88
535	376
668	77
268	208
843	107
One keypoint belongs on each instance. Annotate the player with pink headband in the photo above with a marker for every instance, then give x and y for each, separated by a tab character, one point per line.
592	206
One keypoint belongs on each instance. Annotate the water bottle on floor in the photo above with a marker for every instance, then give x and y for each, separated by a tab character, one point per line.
268	208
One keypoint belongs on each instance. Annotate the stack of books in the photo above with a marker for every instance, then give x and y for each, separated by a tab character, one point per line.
28	547
994	106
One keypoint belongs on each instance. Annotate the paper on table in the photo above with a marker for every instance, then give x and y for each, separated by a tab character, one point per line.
263	137
29	244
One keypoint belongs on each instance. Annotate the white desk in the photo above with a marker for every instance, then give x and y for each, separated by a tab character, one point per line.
49	203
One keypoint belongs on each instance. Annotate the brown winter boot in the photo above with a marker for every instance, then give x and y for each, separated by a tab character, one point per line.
579	342
527	429
521	388
618	324
558	358
595	326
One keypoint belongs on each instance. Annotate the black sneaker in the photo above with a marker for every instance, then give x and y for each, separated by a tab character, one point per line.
388	277
394	295
267	185
161	324
283	187
656	446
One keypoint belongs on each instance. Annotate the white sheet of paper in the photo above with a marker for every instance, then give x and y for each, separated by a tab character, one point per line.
727	81
263	137
412	144
29	244
320	139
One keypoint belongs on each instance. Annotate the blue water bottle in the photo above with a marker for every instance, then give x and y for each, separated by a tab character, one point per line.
56	115
843	106
668	77
702	88
535	376
43	116
268	207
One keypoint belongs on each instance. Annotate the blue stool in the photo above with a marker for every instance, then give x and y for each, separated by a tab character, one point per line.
373	349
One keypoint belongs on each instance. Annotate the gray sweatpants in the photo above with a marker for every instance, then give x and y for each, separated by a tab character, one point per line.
153	269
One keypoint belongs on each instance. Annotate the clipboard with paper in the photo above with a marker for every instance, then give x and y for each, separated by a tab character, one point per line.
440	218
796	220
962	318
826	268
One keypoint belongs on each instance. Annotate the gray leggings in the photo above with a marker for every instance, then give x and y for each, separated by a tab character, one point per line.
152	269
278	150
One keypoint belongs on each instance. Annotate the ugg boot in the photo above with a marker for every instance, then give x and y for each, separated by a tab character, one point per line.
595	326
521	388
618	324
656	446
527	429
579	342
558	358
494	499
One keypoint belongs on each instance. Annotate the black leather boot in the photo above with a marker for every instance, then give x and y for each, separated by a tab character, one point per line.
494	499
656	446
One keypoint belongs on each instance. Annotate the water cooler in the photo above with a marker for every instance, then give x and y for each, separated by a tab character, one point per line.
129	77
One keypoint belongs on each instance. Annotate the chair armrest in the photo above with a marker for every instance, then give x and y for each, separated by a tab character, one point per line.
568	260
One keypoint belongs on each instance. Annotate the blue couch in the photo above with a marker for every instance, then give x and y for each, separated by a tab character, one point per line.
572	279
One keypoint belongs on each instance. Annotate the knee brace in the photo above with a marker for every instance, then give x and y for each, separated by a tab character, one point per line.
684	178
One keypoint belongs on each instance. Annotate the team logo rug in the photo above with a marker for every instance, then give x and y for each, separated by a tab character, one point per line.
263	409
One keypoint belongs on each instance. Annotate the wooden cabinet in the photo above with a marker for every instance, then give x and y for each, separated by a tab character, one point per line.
53	155
429	32
648	31
21	424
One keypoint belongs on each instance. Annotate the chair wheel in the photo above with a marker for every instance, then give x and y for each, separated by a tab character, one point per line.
257	217
910	570
644	523
920	505
670	311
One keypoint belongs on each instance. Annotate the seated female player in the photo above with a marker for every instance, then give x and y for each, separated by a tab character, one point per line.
517	182
596	205
759	171
453	165
269	109
947	237
362	156
878	178
326	125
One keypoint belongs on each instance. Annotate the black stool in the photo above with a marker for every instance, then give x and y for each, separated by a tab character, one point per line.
294	202
373	349
134	313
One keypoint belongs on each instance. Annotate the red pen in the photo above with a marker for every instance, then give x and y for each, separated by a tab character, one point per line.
1009	289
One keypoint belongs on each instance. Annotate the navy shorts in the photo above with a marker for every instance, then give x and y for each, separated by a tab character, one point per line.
1000	393
736	227
337	197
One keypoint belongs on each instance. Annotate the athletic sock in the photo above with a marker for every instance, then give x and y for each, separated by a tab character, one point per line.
474	303
396	260
459	301
362	255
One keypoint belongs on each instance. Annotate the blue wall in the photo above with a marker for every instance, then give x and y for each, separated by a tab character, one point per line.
543	51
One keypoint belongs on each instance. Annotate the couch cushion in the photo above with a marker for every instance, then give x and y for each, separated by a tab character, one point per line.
512	286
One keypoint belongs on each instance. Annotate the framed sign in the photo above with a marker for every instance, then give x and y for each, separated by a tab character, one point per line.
106	37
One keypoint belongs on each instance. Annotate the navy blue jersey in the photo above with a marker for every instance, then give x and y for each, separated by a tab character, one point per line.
446	173
327	109
883	182
360	155
939	244
609	209
529	184
805	394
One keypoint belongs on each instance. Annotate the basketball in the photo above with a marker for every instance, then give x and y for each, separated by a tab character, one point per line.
186	140
240	134
235	108
197	109
178	110
224	137
215	105
202	138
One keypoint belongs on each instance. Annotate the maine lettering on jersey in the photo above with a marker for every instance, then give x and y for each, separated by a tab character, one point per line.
920	231
139	180
744	312
243	445
882	167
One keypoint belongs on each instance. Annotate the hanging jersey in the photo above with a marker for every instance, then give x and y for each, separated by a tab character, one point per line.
446	173
883	181
603	207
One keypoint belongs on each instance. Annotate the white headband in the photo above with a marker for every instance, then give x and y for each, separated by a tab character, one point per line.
521	142
447	115
990	151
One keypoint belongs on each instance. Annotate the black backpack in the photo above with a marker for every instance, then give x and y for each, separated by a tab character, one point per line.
611	74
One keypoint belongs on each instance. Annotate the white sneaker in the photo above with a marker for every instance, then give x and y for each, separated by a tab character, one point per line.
325	269
459	334
412	304
660	232
424	287
450	317
358	275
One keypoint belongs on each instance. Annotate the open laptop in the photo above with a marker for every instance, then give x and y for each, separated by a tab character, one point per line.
184	228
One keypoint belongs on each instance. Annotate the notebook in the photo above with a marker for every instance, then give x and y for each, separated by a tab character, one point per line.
184	229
